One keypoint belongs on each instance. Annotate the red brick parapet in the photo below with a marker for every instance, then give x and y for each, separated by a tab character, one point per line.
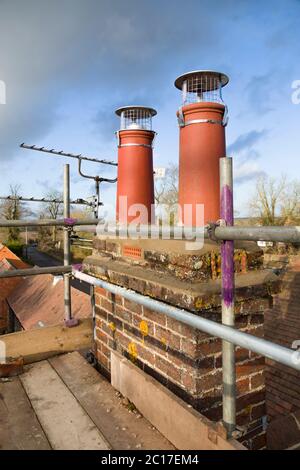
185	360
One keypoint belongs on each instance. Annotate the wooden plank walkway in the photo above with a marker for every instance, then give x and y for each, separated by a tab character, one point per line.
64	403
19	426
64	421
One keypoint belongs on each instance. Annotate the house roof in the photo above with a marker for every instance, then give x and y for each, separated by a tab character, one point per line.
9	261
6	253
19	264
39	301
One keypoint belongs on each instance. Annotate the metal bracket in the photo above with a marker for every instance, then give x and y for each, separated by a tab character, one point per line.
203	121
136	145
211	229
225	117
77	267
154	139
71	322
97	180
70	222
118	138
180	118
239	432
70	275
183	123
151	146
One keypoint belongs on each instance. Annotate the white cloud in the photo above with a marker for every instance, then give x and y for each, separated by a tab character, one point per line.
247	171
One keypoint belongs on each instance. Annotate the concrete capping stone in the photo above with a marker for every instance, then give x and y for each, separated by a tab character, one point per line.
183	426
194	297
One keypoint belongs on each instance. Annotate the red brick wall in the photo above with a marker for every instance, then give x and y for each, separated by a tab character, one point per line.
3	317
282	326
185	360
6	287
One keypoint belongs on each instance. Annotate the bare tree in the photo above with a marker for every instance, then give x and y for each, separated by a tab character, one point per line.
166	191
266	202
290	205
53	209
276	202
13	209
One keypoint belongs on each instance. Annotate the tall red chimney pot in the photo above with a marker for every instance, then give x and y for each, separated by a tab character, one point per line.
135	164
202	120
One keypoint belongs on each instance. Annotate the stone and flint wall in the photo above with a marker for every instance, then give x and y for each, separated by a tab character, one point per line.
184	359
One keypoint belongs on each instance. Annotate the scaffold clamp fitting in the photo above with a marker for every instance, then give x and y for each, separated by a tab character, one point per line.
70	221
211	229
77	267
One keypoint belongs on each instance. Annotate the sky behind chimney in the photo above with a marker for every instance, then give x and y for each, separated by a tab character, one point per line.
68	64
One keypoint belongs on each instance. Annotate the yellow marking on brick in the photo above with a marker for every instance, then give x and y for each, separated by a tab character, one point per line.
144	328
112	326
132	349
199	303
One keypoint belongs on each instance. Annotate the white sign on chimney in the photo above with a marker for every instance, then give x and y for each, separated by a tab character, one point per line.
159	173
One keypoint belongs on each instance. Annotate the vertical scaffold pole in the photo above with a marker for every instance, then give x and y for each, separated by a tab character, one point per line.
69	321
227	261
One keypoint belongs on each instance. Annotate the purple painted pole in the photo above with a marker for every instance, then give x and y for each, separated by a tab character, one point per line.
69	320
227	262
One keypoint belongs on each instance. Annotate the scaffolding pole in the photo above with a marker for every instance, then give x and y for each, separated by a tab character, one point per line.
218	233
66	222
35	271
69	320
227	267
275	352
272	234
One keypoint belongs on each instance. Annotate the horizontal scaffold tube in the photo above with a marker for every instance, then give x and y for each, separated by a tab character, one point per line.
261	346
35	271
48	222
272	234
247	233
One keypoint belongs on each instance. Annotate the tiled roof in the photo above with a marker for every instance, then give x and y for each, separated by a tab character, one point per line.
6	253
19	264
39	301
9	261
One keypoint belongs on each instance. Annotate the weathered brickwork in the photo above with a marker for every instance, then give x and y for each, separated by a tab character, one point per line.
185	360
282	326
201	265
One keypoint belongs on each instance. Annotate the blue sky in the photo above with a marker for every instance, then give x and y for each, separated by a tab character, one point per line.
69	64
